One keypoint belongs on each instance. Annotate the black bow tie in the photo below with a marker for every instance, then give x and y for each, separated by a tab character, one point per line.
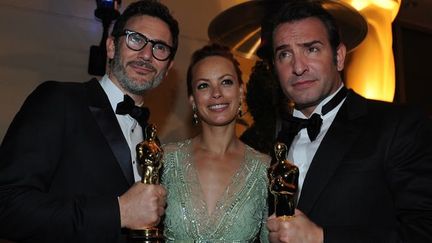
127	106
292	125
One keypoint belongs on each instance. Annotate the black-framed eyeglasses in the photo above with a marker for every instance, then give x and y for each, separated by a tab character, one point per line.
137	41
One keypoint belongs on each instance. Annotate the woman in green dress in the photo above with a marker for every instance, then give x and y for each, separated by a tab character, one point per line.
217	185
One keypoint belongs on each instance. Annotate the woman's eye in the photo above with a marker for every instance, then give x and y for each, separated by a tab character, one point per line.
227	82
202	86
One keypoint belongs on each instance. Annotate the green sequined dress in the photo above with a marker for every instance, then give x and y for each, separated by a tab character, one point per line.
240	214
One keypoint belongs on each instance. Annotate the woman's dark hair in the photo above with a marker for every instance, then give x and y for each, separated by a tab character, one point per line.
151	8
208	51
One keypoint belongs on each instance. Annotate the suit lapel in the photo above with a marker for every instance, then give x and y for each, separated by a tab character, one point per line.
102	112
336	143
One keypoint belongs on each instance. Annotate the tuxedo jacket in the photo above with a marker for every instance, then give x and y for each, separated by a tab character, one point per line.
371	177
63	163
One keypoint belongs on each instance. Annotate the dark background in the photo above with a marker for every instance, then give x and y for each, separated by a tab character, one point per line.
412	45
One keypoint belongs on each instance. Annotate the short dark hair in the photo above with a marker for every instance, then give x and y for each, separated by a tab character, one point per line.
208	51
298	10
151	8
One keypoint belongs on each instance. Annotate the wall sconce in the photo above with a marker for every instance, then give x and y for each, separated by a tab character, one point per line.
106	11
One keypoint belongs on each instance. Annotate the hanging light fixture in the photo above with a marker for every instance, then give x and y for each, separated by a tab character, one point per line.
106	12
239	27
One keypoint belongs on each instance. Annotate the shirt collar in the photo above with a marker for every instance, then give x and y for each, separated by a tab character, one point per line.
297	113
115	95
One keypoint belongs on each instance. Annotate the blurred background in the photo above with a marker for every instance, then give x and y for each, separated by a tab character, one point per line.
51	39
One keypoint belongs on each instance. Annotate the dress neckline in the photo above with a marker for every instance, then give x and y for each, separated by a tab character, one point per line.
225	194
212	223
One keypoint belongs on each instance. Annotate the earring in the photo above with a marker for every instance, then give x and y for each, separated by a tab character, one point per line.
240	111
194	116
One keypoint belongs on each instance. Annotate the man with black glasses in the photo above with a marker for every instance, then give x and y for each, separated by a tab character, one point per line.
67	162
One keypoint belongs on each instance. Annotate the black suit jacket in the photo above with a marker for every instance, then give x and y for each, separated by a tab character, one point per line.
63	163
371	177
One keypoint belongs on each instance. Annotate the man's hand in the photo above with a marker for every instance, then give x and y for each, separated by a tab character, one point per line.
142	206
295	229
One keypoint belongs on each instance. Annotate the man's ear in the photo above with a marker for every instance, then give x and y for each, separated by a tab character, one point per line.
110	45
171	62
340	57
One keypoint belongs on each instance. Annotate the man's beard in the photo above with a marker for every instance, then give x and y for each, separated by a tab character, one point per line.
128	83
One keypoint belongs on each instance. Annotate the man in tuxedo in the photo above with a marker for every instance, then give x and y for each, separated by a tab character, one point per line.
365	166
67	163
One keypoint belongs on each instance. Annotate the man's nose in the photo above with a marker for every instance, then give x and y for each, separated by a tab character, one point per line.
300	65
146	52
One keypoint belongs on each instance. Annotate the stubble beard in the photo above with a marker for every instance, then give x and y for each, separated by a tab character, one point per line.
302	101
131	85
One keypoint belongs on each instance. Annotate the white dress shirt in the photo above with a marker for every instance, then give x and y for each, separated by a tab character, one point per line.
302	150
132	131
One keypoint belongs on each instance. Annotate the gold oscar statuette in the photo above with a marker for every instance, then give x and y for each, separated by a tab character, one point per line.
283	177
149	157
